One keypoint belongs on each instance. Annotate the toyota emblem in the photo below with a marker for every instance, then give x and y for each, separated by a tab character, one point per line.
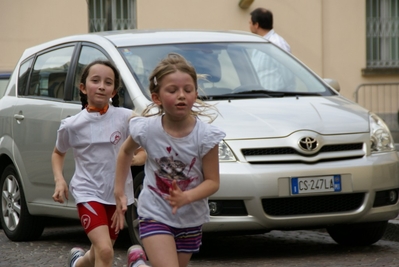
308	143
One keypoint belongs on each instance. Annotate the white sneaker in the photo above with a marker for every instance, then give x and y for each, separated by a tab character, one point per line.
74	255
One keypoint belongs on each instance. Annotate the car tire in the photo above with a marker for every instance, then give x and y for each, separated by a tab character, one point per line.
362	234
132	219
17	223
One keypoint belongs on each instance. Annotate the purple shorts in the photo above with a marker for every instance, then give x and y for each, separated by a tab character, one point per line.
188	240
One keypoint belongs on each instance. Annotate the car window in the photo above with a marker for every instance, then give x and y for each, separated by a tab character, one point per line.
87	55
49	74
229	76
231	68
279	71
23	77
272	74
140	73
3	85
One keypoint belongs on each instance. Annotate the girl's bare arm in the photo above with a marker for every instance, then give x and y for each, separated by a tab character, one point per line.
61	187
123	164
139	158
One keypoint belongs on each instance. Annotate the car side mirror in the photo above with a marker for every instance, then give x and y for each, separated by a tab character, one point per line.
333	83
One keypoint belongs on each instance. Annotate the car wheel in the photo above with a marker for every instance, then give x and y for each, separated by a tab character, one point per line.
362	234
17	223
132	217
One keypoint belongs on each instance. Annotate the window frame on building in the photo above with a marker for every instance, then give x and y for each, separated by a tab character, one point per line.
382	45
110	15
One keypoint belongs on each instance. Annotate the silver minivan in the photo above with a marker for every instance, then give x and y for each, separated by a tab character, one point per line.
297	154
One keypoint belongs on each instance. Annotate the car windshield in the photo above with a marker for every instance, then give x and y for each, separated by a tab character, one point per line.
232	70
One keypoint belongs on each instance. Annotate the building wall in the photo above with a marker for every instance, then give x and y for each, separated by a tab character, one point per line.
25	23
327	35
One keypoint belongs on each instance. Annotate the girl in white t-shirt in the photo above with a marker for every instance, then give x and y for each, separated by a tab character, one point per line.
181	170
95	134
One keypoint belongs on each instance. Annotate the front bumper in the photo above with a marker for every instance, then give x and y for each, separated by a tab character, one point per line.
252	184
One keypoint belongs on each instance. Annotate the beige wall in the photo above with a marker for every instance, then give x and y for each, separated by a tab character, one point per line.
327	35
24	23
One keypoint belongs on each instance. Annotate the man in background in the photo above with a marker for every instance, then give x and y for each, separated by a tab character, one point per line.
261	23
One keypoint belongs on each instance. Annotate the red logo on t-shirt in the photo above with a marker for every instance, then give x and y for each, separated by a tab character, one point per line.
115	137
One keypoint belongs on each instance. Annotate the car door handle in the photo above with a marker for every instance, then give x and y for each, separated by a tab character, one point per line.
19	117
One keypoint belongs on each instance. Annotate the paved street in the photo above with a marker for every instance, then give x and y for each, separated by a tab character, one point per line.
296	248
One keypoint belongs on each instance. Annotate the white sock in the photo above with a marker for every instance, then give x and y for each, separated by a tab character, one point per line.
136	264
74	264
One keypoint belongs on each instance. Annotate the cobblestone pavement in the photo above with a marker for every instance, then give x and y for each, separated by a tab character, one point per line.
277	248
392	231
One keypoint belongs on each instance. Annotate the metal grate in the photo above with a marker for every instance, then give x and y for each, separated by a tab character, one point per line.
382	33
107	15
269	151
230	208
344	147
312	204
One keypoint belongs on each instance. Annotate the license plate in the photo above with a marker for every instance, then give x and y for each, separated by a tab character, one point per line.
304	185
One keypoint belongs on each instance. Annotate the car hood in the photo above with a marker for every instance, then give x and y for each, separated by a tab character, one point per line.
279	117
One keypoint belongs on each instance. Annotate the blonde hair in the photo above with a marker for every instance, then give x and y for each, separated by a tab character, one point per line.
171	63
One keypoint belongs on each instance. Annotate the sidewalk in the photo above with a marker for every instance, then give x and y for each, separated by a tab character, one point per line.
392	231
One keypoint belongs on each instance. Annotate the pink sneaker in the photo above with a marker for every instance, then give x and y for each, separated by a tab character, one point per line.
134	254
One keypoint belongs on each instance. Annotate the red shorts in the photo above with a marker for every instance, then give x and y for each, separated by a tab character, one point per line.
93	214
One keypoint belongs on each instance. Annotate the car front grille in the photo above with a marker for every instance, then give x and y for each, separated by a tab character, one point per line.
292	206
290	150
331	152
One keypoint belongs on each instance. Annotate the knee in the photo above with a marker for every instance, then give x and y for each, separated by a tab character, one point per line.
105	254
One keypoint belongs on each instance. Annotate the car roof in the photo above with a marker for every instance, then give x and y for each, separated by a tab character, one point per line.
125	38
150	37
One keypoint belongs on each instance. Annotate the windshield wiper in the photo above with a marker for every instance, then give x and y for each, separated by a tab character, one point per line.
255	94
240	95
278	93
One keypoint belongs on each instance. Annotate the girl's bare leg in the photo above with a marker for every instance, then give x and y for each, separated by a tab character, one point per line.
161	251
101	253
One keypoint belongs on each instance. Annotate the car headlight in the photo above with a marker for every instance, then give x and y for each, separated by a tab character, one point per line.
225	153
381	138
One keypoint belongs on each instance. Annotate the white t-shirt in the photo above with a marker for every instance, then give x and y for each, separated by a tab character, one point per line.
170	158
276	39
95	140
